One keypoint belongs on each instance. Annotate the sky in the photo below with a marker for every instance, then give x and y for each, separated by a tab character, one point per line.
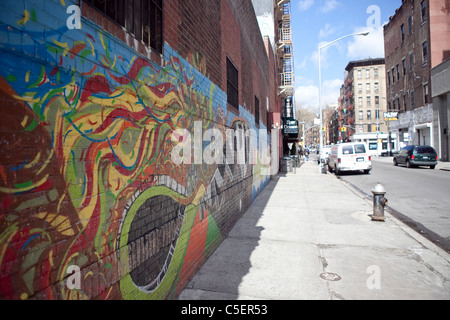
318	22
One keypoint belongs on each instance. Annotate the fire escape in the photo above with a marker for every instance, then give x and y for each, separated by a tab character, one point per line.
285	57
285	51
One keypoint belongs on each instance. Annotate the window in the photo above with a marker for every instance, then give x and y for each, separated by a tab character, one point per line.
367	73
359	87
375	73
425	52
359	74
393	75
367	87
232	84
412	100
377	115
377	100
360	101
405	102
425	93
402	30
404	67
377	87
142	18
369	101
410	25
424	11
361	115
369	114
256	111
389	77
398	73
411	62
360	148
347	150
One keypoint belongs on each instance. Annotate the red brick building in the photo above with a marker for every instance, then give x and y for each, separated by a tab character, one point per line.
96	98
416	40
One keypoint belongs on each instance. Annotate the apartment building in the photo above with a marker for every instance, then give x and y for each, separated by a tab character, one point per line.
416	40
363	103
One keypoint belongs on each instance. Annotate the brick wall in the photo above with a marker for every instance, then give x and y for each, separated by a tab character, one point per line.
92	203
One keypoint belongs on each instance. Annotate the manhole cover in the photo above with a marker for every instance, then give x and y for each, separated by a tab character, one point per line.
330	276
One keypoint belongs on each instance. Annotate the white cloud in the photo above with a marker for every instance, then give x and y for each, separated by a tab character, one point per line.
329	5
305	4
308	95
371	46
326	31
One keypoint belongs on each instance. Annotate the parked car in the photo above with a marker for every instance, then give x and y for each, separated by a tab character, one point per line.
414	156
350	157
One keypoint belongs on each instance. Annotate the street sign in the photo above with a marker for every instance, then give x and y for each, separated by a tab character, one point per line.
390	116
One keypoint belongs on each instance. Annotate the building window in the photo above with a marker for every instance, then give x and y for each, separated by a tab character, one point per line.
367	73
369	101
361	115
369	114
360	101
402	30
410	25
424	11
375	73
412	100
393	75
377	114
411	62
398	73
425	52
377	101
389	77
377	87
359	87
232	85
405	102
367	87
359	74
369	128
142	18
256	111
404	67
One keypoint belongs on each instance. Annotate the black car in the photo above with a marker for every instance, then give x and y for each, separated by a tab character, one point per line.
414	156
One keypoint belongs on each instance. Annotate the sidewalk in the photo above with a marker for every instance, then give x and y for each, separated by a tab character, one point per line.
308	236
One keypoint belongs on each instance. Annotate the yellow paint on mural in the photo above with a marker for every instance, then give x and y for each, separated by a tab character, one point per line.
26	18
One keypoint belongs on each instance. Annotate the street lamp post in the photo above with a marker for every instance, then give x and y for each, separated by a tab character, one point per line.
320	85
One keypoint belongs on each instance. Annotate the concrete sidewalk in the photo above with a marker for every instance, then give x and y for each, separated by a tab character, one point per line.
310	236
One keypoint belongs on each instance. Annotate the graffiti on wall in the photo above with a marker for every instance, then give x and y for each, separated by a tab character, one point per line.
86	175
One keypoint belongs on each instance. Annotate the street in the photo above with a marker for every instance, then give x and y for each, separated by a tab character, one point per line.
418	196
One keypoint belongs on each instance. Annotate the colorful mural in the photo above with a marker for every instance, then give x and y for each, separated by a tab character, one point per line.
86	175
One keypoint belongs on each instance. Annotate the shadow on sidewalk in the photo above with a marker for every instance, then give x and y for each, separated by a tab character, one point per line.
221	275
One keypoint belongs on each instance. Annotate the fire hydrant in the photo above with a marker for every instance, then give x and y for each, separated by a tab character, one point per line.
379	202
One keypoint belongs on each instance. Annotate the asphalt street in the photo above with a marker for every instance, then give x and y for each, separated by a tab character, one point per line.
417	196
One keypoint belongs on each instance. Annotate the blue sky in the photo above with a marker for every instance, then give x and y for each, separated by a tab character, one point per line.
317	22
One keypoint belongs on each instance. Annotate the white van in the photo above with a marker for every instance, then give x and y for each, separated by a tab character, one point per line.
350	157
